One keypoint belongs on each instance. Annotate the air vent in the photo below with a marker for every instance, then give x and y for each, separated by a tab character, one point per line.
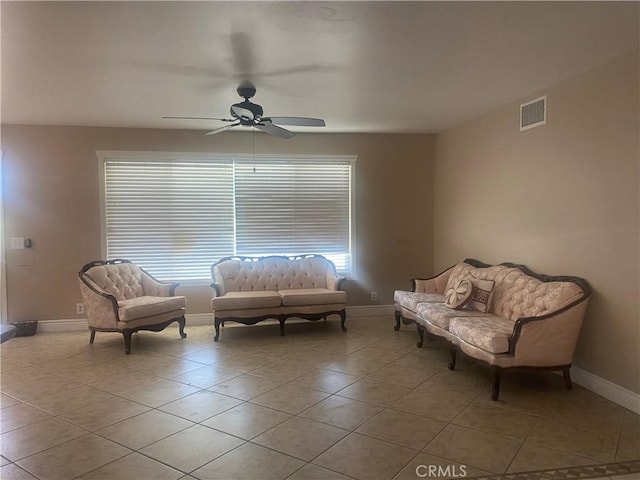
533	114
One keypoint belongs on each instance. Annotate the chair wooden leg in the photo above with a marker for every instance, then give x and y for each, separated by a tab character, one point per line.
567	377
421	330
181	324
495	387
216	324
452	365
343	318
93	336
126	333
397	315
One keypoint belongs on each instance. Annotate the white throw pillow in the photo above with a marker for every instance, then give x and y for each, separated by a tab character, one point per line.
482	293
459	295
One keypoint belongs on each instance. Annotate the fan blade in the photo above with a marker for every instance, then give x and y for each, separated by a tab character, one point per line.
272	129
222	129
243	113
243	56
297	121
204	118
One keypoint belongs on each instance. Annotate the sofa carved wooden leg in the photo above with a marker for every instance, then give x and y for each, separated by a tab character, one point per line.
567	377
343	318
93	336
216	324
452	365
282	327
495	386
181	324
126	333
398	316
421	330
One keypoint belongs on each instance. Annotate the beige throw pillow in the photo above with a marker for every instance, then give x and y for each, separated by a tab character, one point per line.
459	295
482	293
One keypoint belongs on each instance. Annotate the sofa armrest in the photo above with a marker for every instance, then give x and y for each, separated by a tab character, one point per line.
334	282
435	284
549	339
101	308
154	288
424	285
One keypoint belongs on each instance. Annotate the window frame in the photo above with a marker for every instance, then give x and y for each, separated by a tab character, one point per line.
155	156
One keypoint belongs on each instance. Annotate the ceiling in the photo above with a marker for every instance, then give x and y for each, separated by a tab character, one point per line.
362	66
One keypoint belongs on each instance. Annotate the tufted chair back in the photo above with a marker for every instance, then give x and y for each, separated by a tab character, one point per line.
122	280
518	294
242	274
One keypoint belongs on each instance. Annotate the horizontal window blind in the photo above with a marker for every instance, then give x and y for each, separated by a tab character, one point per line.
176	217
285	208
170	218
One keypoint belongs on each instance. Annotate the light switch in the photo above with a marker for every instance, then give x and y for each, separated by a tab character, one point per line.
17	243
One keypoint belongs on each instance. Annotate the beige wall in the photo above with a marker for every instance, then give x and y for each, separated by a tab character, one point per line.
561	198
52	197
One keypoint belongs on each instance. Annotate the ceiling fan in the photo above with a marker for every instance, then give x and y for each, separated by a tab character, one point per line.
249	114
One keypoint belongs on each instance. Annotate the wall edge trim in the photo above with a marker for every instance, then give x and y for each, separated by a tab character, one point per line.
607	389
77	324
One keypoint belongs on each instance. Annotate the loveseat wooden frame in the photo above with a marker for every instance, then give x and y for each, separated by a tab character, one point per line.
280	317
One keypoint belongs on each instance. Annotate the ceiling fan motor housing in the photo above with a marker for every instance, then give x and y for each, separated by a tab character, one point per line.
246	91
252	107
248	114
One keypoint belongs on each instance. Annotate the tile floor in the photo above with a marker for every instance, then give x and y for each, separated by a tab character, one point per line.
316	404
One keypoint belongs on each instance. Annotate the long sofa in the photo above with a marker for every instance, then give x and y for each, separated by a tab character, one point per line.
249	290
505	315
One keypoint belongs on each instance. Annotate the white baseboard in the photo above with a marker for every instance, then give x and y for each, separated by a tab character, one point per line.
76	324
63	325
352	312
370	311
199	319
607	389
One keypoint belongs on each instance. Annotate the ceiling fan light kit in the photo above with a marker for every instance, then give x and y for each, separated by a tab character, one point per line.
249	114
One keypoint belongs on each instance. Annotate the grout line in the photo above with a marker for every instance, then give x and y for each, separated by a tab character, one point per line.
624	421
538	420
370	343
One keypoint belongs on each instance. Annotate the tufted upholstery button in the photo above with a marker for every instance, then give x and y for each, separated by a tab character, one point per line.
518	295
272	273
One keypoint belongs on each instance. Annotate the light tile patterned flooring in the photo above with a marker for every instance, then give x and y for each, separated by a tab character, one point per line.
316	404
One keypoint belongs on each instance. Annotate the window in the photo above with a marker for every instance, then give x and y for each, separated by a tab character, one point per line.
176	214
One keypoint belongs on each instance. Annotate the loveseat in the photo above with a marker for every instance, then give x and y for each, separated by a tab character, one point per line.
249	290
121	297
505	316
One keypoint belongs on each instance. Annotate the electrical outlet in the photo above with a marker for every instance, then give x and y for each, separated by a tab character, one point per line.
79	308
374	296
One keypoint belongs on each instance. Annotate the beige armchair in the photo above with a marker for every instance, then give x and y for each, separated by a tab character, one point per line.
121	297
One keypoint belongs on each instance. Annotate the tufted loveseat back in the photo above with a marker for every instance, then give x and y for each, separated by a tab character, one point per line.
122	280
243	274
518	294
